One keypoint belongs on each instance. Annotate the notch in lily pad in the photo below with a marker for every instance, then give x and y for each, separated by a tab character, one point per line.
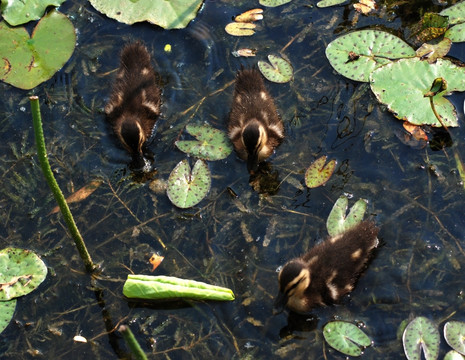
454	333
346	337
186	188
318	173
338	222
421	335
278	70
211	144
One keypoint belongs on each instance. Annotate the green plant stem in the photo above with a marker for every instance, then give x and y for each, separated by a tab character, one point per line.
60	199
132	342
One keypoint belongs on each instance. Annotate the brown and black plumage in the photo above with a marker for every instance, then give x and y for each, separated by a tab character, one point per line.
254	126
328	271
135	100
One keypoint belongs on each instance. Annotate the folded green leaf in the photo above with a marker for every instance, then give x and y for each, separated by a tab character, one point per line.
169	287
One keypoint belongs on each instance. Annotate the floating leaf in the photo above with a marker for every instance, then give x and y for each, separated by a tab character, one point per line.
318	173
173	14
453	355
28	61
327	3
186	189
280	70
417	132
168	287
155	260
250	16
7	309
21	12
212	144
80	195
240	29
456	13
346	337
401	85
365	6
431	26
454	333
273	3
22	271
432	52
245	52
456	33
338	222
357	54
421	334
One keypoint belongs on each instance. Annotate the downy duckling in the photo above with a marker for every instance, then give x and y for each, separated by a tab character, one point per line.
134	104
328	271
254	126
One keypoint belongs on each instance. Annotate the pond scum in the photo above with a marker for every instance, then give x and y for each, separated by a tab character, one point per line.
235	237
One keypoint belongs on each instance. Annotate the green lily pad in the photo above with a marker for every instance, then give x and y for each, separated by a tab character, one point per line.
169	287
273	3
421	334
401	85
318	173
21	12
346	337
186	188
434	51
338	222
357	54
211	144
328	3
173	14
456	13
280	70
454	333
7	309
28	61
456	33
454	355
22	271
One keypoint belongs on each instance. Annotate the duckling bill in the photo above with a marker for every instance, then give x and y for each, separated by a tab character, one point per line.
254	126
135	100
328	271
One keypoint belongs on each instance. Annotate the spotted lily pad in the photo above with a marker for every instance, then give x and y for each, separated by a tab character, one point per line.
273	3
173	14
7	309
280	70
402	86
21	12
433	51
421	335
328	3
454	355
346	337
318	173
456	33
186	188
211	143
26	61
357	54
454	333
21	272
456	13
240	29
338	222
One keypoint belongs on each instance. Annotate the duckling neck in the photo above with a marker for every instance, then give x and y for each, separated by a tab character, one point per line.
132	135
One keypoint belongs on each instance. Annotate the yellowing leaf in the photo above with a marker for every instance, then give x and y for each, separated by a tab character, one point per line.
240	29
80	195
318	173
155	260
365	6
250	16
416	131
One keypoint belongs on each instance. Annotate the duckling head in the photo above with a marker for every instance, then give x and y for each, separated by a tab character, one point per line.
294	278
133	138
255	138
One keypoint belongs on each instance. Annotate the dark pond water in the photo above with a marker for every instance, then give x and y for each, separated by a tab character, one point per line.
414	195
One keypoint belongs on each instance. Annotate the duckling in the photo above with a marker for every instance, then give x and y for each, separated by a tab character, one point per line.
254	126
134	104
328	271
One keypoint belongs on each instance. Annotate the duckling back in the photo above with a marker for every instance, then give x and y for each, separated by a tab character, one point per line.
328	271
134	104
254	126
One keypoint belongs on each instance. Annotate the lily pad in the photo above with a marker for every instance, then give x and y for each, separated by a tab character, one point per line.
27	60
240	29
186	188
421	335
346	337
456	13
433	51
280	70
456	33
21	12
401	85
454	355
318	173
22	271
338	222
328	3
357	54
173	14
454	333
169	287
211	144
273	3
7	309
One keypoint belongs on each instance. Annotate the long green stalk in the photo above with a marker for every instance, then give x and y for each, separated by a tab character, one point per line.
132	342
60	199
